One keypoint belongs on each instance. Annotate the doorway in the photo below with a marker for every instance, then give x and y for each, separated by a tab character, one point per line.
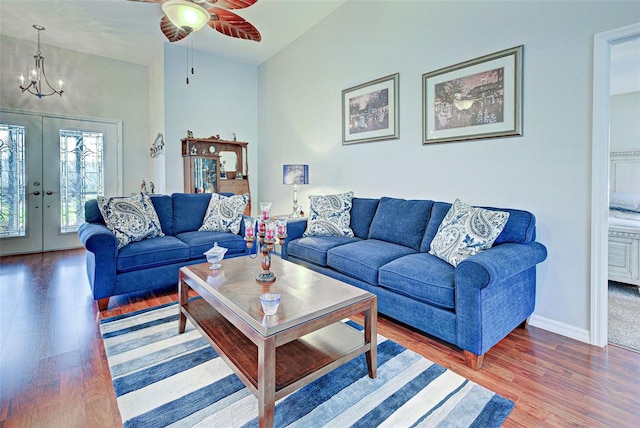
600	177
49	167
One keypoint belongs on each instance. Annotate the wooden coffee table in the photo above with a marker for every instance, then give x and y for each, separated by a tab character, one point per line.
276	355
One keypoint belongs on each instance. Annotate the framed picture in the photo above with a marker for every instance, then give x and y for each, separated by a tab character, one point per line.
480	98
370	111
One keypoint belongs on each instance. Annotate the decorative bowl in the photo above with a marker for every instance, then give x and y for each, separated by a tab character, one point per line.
214	255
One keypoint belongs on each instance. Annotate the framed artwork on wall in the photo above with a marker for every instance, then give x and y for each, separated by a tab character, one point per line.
370	111
476	99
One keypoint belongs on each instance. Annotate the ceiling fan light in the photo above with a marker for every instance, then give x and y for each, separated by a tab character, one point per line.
185	14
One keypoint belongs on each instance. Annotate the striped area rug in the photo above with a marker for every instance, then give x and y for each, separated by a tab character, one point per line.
162	378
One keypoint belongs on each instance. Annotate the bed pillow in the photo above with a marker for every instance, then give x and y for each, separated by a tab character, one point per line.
624	201
330	215
131	218
224	213
466	231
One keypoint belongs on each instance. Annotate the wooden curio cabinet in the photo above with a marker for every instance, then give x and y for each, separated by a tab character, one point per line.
213	166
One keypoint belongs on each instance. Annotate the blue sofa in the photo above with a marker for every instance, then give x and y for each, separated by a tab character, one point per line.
472	306
151	263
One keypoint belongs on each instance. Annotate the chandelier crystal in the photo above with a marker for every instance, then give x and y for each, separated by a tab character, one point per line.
32	83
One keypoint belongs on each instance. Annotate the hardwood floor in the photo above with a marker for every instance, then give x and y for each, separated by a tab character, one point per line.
54	373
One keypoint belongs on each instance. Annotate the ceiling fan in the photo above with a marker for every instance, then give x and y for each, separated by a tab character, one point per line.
182	17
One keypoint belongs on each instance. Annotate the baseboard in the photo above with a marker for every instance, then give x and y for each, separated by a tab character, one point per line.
560	328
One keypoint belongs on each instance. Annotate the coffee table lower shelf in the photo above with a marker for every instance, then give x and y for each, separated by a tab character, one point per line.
297	363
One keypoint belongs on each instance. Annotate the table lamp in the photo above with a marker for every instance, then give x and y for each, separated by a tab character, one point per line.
296	175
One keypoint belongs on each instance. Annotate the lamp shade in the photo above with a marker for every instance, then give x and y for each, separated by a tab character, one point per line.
295	174
185	14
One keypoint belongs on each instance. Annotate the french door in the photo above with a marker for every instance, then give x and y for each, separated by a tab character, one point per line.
49	167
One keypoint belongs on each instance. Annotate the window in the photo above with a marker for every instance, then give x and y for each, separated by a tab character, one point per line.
81	174
13	208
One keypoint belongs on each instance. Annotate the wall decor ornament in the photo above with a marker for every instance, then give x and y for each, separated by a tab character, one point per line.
475	99
157	148
370	111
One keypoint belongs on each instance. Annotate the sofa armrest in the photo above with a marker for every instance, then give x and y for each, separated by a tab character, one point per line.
295	230
102	250
499	263
97	238
495	292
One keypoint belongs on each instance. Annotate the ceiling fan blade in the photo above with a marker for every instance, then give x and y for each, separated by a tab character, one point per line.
229	4
232	25
172	32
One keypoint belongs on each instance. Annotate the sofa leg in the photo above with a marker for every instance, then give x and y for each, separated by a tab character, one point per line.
524	323
103	304
472	360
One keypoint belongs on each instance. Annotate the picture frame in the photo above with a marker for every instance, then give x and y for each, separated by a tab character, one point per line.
476	99
370	111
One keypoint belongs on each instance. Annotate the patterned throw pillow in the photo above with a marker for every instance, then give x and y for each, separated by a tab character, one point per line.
466	231
330	215
131	218
224	213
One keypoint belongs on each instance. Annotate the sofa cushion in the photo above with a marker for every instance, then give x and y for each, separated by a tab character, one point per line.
188	211
152	252
520	228
438	211
92	213
401	221
224	213
362	259
330	215
313	249
199	242
466	231
362	212
422	277
164	209
130	218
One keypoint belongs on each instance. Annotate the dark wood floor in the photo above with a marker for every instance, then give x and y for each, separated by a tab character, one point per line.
54	372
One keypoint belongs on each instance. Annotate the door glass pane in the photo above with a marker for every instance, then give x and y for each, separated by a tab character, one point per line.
12	181
81	174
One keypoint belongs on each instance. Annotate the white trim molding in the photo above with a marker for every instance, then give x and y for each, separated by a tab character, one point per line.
600	176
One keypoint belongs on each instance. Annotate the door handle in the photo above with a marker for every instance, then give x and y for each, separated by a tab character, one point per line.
49	192
36	193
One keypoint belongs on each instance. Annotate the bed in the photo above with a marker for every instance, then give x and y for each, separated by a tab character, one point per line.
624	218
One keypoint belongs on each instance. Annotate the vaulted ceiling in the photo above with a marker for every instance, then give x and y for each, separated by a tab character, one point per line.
130	30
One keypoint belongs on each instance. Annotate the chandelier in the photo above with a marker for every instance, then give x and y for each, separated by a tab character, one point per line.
36	74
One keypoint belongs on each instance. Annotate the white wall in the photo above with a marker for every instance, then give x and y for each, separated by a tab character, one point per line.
221	98
96	87
625	122
546	171
156	120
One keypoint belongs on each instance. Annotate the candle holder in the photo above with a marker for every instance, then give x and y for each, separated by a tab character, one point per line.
269	232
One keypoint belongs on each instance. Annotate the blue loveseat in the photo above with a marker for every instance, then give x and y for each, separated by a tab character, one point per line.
151	263
472	306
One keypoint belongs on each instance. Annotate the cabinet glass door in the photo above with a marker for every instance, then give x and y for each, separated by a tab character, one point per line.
205	175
